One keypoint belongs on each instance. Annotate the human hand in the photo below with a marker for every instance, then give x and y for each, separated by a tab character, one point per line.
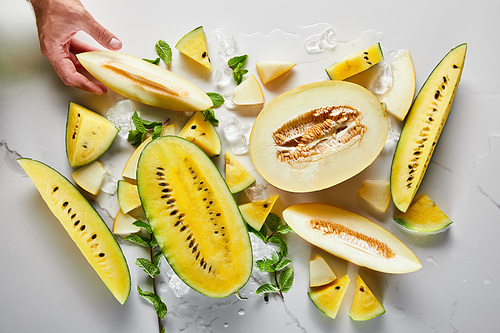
58	21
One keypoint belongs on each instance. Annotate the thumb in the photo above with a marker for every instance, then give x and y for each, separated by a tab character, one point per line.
103	36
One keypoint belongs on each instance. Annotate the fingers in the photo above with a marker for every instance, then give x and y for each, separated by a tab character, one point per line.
102	35
66	70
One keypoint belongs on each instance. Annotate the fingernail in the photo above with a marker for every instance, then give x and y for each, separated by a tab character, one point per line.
114	43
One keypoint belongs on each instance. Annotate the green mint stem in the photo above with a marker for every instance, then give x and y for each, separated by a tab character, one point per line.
278	284
154	285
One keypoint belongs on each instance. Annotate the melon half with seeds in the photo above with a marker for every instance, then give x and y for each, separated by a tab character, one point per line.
83	224
351	237
194	217
318	135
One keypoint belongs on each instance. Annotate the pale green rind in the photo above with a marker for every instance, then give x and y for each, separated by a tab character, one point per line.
413	228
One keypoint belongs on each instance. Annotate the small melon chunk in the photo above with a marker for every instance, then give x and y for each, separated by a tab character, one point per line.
194	46
143	81
88	135
320	273
90	177
329	297
351	237
128	196
423	216
248	92
355	63
237	178
377	193
123	226
202	133
271	69
130	170
365	305
83	224
255	213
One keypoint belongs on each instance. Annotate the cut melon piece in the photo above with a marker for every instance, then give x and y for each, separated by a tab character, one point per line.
255	213
377	193
248	92
90	177
237	178
423	127
365	305
194	46
194	217
423	216
271	69
129	172
355	63
320	273
123	225
88	135
351	237
84	225
202	133
328	298
128	196
143	81
318	135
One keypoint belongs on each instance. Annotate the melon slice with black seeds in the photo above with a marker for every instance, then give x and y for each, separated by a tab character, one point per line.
202	133
365	305
328	298
256	212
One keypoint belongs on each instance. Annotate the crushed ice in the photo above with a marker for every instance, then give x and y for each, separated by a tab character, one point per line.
228	47
120	114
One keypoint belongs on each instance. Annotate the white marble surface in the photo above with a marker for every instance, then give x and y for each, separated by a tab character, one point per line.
47	286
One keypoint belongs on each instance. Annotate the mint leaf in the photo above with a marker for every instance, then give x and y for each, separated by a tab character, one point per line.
283	252
157	131
160	307
144	225
153	242
217	99
282	264
268	264
142	127
273	222
138	240
151	269
286	279
267	288
157	258
164	51
210	116
235	61
154	62
284	229
138	123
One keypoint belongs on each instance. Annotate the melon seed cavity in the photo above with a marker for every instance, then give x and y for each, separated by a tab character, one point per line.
317	133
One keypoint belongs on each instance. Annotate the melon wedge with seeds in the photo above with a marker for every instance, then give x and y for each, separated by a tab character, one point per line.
355	63
423	127
365	305
129	172
248	92
320	273
194	217
256	212
351	237
194	46
202	133
423	216
143	81
83	224
377	193
328	298
237	178
271	69
88	135
90	177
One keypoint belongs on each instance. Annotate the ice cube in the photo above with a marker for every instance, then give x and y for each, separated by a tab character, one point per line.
328	39
383	82
233	131
313	44
319	42
256	192
228	46
223	76
178	286
109	184
120	114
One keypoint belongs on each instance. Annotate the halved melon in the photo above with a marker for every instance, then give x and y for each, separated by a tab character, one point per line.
255	213
351	237
355	63
202	133
271	69
90	177
318	135
194	46
423	127
88	135
143	81
365	305
423	216
329	297
194	217
237	178
320	273
83	224
130	170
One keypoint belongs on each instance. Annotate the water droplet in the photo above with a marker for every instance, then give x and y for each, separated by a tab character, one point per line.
488	280
464	279
226	325
432	260
163	287
241	312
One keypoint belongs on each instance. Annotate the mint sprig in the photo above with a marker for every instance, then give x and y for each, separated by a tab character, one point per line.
151	297
217	100
236	64
164	51
143	128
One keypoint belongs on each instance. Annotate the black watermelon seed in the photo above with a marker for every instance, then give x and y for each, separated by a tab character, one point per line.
101	254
